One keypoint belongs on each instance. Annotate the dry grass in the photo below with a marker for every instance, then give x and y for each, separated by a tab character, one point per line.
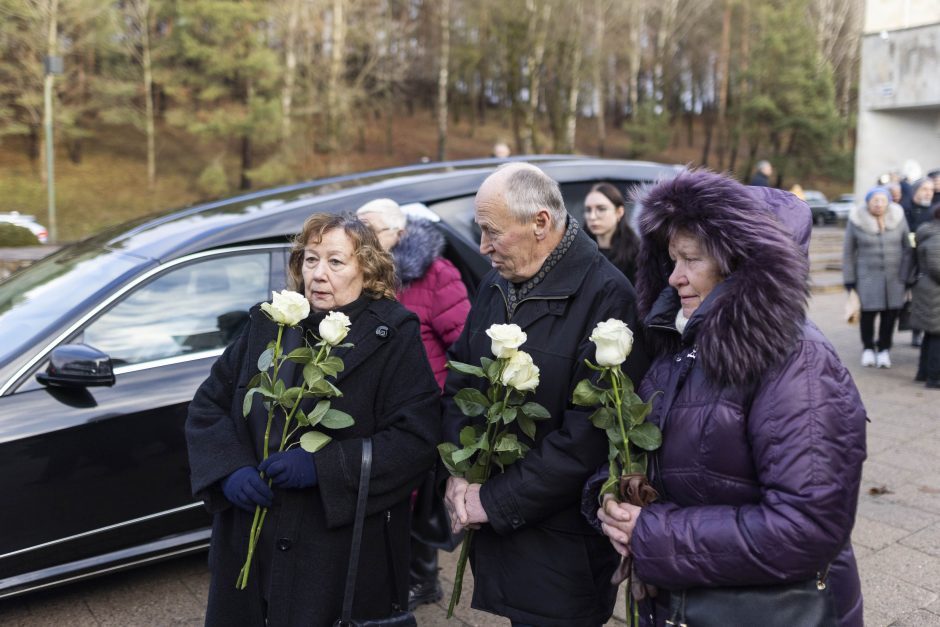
109	186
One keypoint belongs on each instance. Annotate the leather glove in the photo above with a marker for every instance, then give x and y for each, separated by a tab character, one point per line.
245	489
290	469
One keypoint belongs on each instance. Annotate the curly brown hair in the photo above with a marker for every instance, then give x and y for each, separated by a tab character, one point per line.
378	269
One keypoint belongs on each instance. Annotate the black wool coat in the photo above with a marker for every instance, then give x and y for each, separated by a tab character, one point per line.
538	561
302	557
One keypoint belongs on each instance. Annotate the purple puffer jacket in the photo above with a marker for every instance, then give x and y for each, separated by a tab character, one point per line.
433	289
764	437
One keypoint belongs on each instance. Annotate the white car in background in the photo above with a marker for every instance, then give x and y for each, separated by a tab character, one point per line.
840	207
28	222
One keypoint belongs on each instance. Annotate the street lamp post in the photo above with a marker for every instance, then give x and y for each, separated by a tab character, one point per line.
52	66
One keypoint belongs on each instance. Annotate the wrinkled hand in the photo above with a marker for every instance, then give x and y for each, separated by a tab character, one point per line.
455	497
476	515
245	489
617	523
290	469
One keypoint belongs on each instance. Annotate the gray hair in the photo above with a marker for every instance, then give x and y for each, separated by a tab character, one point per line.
388	209
527	189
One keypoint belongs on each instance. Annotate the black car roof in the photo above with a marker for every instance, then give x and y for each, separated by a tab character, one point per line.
274	214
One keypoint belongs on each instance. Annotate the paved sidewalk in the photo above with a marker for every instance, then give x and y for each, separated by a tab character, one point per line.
897	533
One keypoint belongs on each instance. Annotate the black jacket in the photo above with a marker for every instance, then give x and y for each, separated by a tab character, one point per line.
538	561
303	552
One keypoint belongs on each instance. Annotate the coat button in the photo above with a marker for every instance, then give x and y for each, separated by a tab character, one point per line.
516	521
283	544
382	331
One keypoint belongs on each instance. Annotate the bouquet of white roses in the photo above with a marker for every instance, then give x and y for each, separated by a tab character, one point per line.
287	309
622	415
491	443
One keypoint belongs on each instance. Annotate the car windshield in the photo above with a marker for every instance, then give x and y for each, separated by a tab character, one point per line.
35	299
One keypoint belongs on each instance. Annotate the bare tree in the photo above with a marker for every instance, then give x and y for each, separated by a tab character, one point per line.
539	16
444	62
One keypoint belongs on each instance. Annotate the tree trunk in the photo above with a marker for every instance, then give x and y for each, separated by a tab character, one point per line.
147	62
637	26
245	182
48	117
599	95
444	62
337	70
290	69
574	80
724	56
539	19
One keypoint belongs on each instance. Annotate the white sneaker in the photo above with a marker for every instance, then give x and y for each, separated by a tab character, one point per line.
868	358
883	360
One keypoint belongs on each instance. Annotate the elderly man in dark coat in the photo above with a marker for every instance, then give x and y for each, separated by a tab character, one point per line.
535	559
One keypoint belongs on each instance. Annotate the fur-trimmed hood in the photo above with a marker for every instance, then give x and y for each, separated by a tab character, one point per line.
419	246
754	318
860	217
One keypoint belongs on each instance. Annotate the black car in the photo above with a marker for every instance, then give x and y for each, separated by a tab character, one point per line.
103	344
819	205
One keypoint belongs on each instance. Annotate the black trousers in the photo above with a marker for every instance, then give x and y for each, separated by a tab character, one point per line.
928	369
885	328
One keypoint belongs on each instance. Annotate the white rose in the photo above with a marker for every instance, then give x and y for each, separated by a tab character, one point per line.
334	327
614	341
506	339
287	307
520	373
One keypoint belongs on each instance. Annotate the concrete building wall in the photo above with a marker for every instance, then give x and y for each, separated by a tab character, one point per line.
891	15
899	93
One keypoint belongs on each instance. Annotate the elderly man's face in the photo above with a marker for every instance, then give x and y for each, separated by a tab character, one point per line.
511	246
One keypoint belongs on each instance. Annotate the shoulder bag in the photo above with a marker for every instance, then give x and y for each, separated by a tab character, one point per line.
399	617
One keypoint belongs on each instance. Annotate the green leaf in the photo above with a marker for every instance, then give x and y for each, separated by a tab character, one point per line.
301	355
535	411
301	418
492	369
637	412
495	412
593	366
612	452
527	425
318	412
471	401
312	374
446	451
332	365
313	441
611	486
463	454
256	380
325	388
614	435
266	359
465	368
469	436
647	436
290	396
476	474
603	418
246	406
336	419
586	394
509	414
507	442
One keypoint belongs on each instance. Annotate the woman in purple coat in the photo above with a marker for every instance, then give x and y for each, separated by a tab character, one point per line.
763	427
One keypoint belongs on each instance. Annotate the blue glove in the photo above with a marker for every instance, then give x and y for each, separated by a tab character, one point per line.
291	469
245	489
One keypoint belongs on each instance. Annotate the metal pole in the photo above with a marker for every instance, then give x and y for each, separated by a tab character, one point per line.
50	159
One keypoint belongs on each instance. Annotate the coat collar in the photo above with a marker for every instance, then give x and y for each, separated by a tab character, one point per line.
566	277
860	217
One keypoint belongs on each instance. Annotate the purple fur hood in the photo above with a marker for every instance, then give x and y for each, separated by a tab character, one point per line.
757	317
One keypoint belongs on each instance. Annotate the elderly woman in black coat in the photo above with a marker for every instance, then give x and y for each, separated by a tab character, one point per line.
302	556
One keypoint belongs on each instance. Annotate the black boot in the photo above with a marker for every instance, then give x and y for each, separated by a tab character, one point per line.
423	584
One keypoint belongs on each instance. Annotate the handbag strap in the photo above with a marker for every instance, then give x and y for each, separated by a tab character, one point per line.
365	472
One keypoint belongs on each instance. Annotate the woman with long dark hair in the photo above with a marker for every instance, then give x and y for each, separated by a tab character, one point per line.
607	224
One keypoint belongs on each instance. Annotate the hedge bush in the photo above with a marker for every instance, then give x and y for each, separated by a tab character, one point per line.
13	235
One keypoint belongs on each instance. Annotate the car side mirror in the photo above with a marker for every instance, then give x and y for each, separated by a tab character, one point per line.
77	365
